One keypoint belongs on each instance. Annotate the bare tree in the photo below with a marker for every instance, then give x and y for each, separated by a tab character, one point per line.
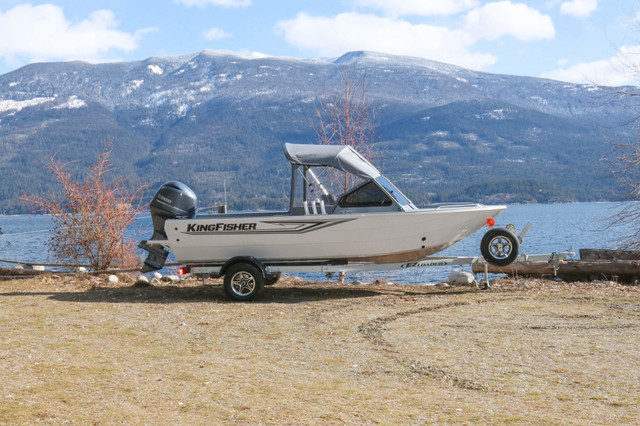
346	119
91	220
625	155
626	170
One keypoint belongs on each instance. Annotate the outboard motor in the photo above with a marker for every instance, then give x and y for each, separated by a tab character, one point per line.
174	200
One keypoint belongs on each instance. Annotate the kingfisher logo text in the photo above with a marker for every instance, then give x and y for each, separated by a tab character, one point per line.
217	227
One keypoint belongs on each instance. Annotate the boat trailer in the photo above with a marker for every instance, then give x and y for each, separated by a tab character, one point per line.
216	271
245	276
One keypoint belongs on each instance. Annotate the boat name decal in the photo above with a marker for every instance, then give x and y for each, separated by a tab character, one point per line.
212	227
275	226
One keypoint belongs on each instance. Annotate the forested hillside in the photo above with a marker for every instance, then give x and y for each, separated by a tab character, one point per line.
212	119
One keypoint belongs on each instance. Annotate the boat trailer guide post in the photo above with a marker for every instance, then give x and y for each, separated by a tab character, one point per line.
330	226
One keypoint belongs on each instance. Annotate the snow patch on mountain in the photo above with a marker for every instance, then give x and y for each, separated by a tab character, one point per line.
16	106
496	114
73	103
539	100
155	69
225	78
131	86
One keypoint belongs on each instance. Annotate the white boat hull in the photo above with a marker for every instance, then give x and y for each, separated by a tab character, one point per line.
385	237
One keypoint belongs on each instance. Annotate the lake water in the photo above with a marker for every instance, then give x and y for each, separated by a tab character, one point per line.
556	228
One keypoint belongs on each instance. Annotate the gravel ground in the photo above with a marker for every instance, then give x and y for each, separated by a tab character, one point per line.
527	351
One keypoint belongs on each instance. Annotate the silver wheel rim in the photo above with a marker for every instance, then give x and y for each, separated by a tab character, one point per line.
242	283
500	247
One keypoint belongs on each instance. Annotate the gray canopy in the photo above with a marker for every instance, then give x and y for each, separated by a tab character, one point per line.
342	157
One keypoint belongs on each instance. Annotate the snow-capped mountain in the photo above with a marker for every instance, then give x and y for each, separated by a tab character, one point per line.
208	118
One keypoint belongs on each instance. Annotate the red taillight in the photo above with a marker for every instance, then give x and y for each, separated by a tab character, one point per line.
184	270
491	221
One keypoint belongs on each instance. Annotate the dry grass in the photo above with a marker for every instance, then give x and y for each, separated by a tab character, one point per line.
529	351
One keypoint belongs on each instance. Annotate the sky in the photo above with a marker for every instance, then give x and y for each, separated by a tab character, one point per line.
582	41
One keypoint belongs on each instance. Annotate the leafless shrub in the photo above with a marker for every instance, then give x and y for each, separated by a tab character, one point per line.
90	220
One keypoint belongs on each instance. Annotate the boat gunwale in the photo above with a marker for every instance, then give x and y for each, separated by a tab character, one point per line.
424	209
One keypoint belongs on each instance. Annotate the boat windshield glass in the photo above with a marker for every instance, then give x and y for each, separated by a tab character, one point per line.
395	192
366	195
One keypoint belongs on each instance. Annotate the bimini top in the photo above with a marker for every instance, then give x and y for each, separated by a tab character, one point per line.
342	157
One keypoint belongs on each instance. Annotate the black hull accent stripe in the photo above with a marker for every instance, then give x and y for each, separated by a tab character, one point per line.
301	227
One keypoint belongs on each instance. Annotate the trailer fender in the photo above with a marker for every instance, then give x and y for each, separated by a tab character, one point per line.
243	259
270	276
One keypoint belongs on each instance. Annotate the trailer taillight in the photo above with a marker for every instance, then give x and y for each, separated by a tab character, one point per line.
491	221
184	270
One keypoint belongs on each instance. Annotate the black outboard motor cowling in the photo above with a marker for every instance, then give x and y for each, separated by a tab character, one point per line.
174	200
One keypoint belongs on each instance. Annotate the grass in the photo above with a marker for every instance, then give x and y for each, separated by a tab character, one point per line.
527	351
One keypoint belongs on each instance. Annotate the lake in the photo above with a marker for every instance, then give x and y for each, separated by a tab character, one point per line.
556	228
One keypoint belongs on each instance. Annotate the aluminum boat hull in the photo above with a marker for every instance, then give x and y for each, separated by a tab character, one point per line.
280	238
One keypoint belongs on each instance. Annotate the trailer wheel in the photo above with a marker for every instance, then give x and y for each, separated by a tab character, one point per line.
243	282
499	247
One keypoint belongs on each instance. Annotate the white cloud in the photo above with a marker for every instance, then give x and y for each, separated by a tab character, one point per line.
579	8
498	19
420	7
618	70
223	3
333	36
41	33
215	33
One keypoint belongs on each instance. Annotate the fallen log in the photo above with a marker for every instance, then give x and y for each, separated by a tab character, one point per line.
602	254
11	273
622	270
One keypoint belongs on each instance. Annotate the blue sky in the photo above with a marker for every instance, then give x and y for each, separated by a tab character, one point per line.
587	41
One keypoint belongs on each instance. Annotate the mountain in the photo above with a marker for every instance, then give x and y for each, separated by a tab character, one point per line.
216	120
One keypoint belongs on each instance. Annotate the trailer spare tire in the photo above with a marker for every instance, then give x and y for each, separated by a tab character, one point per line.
499	247
243	282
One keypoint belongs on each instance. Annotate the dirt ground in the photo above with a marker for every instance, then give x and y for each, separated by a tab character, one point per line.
526	351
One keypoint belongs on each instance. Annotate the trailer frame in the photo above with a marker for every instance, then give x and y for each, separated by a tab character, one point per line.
270	270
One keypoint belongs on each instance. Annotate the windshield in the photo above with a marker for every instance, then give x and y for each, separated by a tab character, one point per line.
366	195
395	192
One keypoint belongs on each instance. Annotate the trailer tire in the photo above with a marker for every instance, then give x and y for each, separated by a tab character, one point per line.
499	247
243	282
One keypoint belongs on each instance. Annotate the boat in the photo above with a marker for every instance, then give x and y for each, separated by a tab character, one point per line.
342	212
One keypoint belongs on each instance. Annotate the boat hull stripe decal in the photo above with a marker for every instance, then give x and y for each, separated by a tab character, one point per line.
286	227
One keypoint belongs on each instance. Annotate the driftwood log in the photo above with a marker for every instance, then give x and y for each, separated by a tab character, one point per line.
11	273
600	254
620	270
